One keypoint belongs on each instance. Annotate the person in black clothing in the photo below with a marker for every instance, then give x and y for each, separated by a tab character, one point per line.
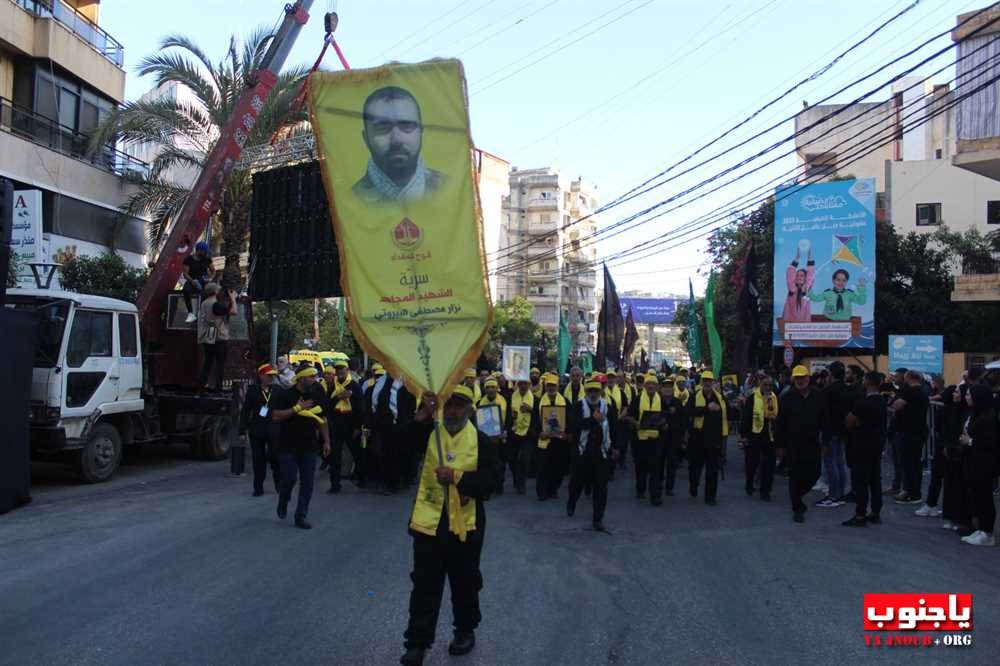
300	412
758	425
867	423
255	420
198	272
956	505
453	489
802	417
910	410
671	441
646	406
591	426
346	405
390	408
839	400
709	430
980	439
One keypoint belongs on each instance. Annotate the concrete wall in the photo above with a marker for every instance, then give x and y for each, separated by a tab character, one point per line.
494	185
46	38
6	76
961	193
858	135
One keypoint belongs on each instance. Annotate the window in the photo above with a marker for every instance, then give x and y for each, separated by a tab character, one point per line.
545	196
581	317
90	336
928	214
937	154
127	346
993	212
545	265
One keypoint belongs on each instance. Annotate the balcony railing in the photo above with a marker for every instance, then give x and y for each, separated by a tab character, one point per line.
43	131
79	25
981	264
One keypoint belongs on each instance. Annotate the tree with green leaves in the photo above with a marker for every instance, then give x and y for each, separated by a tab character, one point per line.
103	275
296	326
513	324
183	134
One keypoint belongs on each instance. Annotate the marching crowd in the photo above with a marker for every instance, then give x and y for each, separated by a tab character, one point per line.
827	431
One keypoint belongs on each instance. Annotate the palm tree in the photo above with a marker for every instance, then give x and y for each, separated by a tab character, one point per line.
182	134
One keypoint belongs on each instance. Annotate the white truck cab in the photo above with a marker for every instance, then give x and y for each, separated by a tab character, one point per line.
87	384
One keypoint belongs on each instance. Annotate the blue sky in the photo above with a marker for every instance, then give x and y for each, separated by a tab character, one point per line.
621	88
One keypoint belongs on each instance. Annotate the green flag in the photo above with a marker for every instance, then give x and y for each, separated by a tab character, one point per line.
714	342
563	345
586	362
341	319
694	332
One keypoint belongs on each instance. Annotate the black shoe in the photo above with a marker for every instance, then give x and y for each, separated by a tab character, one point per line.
749	491
413	657
599	526
303	524
656	502
765	498
693	492
542	498
849	498
711	502
462	644
323	466
570	510
282	510
855	521
873	519
257	492
334	490
799	517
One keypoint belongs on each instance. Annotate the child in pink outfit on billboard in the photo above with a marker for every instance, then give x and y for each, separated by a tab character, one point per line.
800	281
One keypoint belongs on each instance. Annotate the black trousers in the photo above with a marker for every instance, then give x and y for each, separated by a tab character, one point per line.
671	453
383	451
558	464
911	450
802	476
434	558
866	481
956	504
508	458
338	438
187	291
707	458
262	452
643	453
543	458
593	473
623	434
938	465
759	455
981	487
523	452
215	355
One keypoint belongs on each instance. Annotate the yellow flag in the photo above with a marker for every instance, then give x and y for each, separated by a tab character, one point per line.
396	153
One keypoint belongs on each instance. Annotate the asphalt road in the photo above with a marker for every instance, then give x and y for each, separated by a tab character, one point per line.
174	563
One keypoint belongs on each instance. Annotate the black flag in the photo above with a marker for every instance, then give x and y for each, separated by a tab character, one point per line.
610	326
748	311
631	338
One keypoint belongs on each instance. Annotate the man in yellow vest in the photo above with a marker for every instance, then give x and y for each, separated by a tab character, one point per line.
618	396
646	415
758	424
709	430
574	390
672	436
492	398
552	449
448	522
472	381
520	444
536	384
591	427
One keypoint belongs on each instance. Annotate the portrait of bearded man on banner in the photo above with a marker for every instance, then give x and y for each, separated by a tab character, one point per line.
393	133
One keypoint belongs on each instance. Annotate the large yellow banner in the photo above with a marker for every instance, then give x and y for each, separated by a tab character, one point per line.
396	154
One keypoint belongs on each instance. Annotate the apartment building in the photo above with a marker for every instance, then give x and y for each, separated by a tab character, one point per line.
546	255
60	76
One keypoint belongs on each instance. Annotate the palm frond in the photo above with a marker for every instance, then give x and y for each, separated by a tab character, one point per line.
159	201
148	122
168	66
187	44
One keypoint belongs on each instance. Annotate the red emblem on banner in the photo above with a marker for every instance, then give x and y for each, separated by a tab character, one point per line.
407	235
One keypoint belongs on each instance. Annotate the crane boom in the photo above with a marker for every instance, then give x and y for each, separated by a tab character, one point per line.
203	201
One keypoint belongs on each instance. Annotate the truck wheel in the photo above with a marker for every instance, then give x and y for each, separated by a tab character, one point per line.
216	438
101	455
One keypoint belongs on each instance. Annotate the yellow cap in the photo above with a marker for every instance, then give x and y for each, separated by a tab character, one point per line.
463	392
470	374
707	375
800	371
306	372
379	371
376	367
592	386
650	379
611	373
491	382
341	363
535	371
550	378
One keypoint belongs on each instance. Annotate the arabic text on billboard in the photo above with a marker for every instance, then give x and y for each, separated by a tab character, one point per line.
824	265
922	353
650	310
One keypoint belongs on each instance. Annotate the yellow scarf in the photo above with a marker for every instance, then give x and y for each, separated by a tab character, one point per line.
615	396
681	393
646	406
462	455
568	393
313	413
762	409
629	392
699	401
342	406
545	401
522	420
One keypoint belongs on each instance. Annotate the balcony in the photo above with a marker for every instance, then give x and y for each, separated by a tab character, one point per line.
977	124
79	25
30	126
980	279
538	203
